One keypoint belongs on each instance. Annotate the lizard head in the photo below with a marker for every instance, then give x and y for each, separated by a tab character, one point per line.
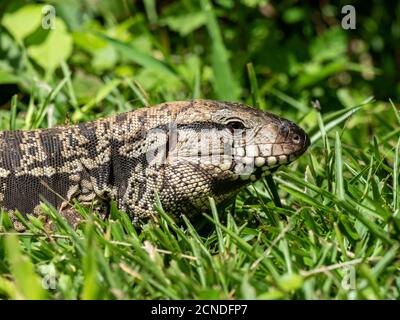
219	147
236	138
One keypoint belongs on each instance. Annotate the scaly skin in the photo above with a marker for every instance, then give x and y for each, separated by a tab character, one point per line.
183	151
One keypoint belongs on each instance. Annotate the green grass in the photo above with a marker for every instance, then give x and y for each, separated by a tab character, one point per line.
325	227
335	234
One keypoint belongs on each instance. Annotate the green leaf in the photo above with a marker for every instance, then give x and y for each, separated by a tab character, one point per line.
103	92
27	281
8	288
290	282
330	45
136	55
294	15
7	78
55	49
253	3
225	3
272	294
23	21
186	23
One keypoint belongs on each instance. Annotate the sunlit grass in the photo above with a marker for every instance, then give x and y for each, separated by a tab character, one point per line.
334	235
325	227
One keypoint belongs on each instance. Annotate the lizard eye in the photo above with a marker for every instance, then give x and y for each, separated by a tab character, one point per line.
235	125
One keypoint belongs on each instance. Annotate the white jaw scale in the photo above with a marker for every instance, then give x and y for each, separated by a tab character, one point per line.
250	164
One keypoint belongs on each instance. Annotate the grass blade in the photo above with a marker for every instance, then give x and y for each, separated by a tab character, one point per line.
28	283
255	94
13	116
337	118
225	85
339	168
136	55
218	229
396	175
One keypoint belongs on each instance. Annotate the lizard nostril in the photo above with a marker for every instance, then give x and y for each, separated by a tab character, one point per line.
296	138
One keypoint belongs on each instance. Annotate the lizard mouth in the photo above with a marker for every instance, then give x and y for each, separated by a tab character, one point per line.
253	167
253	160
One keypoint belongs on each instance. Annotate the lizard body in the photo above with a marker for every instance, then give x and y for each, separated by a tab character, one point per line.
184	151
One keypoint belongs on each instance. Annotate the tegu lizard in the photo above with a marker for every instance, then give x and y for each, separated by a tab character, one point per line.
184	151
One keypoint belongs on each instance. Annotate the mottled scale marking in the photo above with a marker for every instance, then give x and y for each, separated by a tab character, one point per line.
184	151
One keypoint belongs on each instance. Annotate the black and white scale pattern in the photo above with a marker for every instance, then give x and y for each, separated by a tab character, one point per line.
183	151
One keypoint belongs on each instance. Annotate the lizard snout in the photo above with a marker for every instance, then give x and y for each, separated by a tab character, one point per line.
298	139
